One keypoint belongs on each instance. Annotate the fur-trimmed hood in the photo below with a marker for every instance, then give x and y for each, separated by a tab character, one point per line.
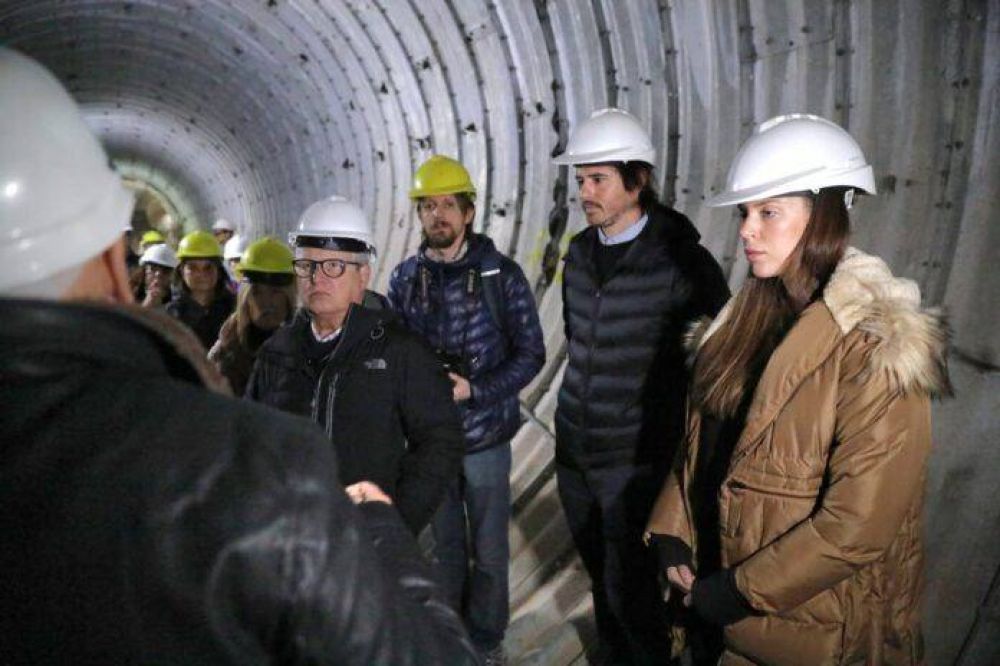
863	294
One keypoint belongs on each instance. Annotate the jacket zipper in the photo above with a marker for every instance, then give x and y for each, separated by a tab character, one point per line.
332	394
331	398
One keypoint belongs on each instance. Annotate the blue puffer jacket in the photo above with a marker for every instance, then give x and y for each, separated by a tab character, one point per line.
445	304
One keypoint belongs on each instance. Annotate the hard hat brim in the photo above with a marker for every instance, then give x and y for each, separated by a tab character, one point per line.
819	178
597	157
440	191
157	263
273	278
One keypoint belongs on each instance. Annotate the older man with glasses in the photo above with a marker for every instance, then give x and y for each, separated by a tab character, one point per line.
376	389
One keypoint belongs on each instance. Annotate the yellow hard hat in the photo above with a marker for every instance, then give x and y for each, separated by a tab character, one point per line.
152	237
199	245
267	255
441	175
267	261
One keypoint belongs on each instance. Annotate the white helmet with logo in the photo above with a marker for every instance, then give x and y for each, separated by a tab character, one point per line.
609	135
60	202
160	254
794	153
334	223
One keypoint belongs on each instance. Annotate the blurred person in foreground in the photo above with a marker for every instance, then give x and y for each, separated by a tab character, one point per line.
147	518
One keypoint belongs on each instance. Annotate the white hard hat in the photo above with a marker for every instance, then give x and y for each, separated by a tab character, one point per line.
793	153
223	225
334	223
235	247
609	135
160	254
60	202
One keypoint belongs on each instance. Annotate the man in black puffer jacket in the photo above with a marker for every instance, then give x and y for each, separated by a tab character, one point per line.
632	282
476	308
146	518
375	387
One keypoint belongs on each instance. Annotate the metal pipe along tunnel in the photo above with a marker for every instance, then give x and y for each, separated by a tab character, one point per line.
251	110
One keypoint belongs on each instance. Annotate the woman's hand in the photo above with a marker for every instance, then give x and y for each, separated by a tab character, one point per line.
674	559
717	599
156	291
681	578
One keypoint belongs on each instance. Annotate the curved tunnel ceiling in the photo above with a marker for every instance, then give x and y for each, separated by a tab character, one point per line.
251	110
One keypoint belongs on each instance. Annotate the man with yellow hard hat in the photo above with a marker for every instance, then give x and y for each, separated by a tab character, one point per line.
476	309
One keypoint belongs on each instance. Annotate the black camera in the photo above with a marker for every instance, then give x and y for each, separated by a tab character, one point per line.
453	363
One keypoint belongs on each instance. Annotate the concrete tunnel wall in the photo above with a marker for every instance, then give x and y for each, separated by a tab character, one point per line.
250	110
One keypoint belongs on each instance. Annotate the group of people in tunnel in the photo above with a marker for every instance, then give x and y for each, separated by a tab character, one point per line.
742	475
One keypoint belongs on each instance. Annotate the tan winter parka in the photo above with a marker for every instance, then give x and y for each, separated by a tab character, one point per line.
821	509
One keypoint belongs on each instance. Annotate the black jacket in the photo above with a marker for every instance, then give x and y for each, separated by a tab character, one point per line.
147	520
502	357
205	322
382	399
622	397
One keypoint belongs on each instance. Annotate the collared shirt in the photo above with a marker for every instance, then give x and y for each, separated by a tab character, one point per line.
329	337
629	234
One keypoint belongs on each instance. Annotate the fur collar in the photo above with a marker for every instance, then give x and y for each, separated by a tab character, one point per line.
863	294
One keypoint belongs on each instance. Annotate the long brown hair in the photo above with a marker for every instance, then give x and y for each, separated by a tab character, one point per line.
239	322
732	360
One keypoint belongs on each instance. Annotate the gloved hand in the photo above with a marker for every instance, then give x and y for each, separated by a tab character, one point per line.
670	552
717	600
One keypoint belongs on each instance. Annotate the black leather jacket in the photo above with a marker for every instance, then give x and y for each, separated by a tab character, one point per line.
147	520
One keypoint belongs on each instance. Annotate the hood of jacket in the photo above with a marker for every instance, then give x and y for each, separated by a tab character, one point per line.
863	294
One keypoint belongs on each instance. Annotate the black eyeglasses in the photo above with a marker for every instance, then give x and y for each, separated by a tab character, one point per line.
333	268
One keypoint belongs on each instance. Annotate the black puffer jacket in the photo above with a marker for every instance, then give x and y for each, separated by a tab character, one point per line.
382	398
622	397
147	520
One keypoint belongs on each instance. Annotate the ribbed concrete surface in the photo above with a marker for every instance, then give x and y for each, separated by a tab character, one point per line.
250	110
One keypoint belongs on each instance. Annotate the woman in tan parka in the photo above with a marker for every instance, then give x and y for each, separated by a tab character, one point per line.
791	524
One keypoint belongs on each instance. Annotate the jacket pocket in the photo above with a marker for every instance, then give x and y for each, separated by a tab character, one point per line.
730	513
